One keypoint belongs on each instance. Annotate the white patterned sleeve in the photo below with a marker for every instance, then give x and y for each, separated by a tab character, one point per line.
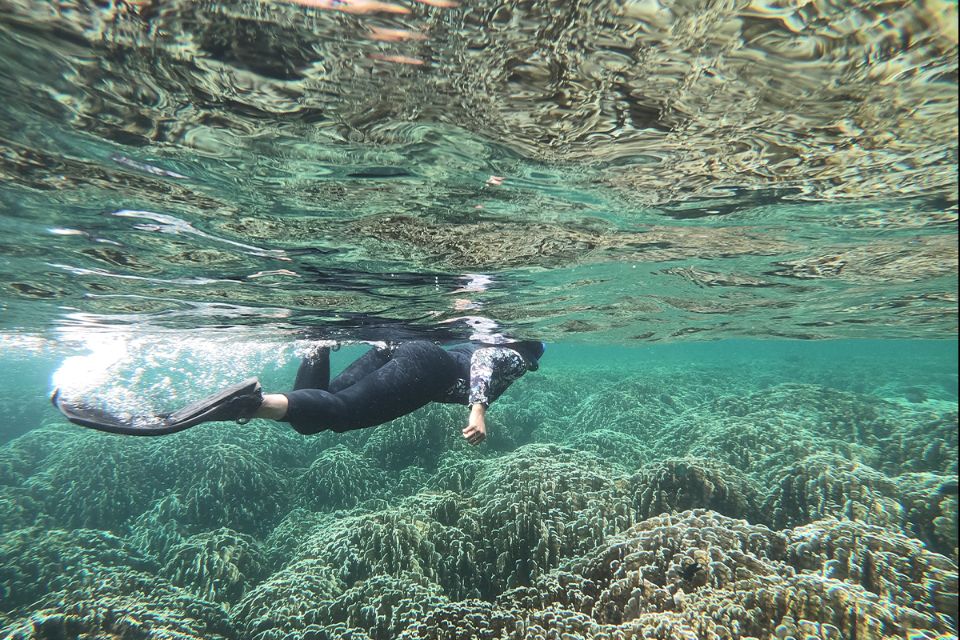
492	370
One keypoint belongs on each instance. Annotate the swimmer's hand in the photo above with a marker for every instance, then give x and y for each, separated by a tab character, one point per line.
476	429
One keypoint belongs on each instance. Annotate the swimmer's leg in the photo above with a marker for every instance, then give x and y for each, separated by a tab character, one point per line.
314	371
416	374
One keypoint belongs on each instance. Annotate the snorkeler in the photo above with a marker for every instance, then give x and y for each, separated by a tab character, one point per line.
383	384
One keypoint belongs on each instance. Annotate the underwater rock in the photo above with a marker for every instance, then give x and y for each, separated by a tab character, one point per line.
218	566
694	483
287	603
339	478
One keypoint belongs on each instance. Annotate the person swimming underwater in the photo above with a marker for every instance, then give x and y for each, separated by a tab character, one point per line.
384	383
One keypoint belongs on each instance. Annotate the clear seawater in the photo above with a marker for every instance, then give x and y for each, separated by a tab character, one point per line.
733	223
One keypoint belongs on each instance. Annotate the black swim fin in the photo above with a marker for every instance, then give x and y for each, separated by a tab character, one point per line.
238	402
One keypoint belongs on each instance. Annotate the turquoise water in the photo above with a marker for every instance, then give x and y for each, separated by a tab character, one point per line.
734	224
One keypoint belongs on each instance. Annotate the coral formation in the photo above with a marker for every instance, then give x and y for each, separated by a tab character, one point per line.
540	504
122	603
654	511
286	602
35	561
225	485
680	484
824	485
339	478
417	439
218	566
99	481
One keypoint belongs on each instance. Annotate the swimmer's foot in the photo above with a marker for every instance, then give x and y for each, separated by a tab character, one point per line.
238	402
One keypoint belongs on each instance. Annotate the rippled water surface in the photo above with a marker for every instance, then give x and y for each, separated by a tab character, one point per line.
599	171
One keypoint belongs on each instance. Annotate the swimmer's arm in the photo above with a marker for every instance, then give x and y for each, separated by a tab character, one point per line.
476	429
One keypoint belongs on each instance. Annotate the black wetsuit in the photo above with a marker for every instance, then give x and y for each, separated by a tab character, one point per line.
389	382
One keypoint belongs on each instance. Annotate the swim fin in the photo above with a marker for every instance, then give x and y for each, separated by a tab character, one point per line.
237	402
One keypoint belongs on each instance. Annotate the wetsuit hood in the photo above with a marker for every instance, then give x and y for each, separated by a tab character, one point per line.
531	350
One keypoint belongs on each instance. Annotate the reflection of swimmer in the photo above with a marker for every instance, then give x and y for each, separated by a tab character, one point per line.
383	384
476	282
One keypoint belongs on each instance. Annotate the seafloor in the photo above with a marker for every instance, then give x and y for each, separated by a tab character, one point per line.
679	501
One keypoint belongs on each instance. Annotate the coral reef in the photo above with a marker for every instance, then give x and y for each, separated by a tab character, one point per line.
125	604
99	480
680	484
218	566
622	448
18	509
540	504
226	485
161	527
926	441
659	509
339	478
35	561
703	574
285	604
392	543
824	485
417	439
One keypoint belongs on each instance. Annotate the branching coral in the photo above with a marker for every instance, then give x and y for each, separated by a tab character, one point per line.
226	485
539	505
392	542
622	448
99	480
383	605
287	602
703	574
766	431
339	478
36	561
825	485
417	439
688	483
218	566
18	509
125	604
